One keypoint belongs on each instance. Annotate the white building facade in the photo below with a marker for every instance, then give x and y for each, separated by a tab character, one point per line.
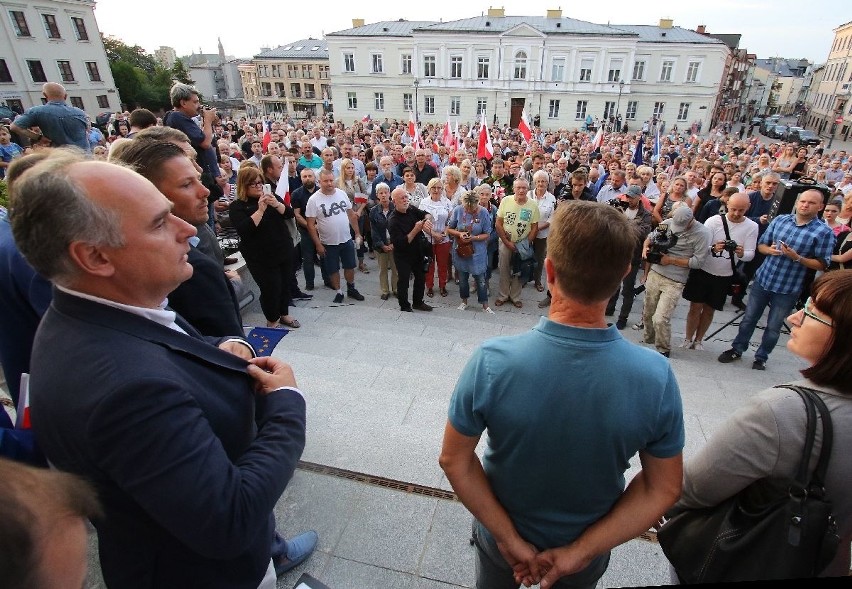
561	69
54	41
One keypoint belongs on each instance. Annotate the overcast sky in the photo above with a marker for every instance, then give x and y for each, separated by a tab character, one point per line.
786	28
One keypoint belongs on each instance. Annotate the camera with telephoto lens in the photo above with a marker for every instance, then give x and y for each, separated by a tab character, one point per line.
618	204
661	242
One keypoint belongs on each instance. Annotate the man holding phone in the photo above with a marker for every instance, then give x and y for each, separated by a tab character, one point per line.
792	244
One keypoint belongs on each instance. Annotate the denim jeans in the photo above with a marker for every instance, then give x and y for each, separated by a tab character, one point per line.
309	250
780	306
481	289
493	572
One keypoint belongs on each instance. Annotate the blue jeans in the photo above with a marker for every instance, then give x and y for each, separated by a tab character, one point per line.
464	287
780	306
309	250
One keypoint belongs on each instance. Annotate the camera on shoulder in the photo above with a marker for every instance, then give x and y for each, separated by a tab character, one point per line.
661	242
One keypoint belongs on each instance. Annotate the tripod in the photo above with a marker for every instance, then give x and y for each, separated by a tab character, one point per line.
785	329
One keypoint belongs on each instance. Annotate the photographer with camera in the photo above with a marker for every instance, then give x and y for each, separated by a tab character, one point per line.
630	203
412	252
734	239
679	244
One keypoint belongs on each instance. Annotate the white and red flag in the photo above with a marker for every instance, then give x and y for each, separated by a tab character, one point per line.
598	140
524	126
282	189
484	149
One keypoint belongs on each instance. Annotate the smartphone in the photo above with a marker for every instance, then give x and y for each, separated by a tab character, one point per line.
782	243
267	189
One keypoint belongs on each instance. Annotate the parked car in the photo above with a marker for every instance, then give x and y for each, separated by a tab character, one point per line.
768	123
777	132
803	137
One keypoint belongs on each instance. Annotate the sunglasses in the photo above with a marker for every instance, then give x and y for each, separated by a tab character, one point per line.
808	313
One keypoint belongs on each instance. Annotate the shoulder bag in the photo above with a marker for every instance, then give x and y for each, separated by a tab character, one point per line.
772	529
739	280
464	249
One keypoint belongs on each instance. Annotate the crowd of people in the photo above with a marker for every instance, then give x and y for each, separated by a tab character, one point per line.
126	225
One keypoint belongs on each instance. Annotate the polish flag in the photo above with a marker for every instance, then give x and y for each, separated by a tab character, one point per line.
267	136
447	137
413	131
365	118
22	420
484	147
282	189
524	126
598	140
457	137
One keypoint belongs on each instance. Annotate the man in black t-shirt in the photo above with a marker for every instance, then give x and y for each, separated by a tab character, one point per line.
405	225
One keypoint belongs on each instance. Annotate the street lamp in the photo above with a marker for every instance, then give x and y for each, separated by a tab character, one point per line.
618	104
416	117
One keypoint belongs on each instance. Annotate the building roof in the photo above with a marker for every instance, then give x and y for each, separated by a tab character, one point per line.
548	26
786	68
657	34
385	28
732	40
302	49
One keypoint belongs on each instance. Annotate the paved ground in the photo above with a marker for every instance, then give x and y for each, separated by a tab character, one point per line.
378	382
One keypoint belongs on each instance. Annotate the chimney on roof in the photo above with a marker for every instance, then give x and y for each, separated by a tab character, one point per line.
357	22
496	11
554	13
666	23
701	29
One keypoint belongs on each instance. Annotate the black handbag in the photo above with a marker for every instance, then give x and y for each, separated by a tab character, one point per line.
772	529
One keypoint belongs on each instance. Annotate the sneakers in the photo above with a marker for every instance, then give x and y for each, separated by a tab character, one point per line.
462	307
338	298
385	296
302	296
353	293
663	353
687	343
729	356
422	307
621	324
638	326
544	303
299	549
758	365
697	345
488	310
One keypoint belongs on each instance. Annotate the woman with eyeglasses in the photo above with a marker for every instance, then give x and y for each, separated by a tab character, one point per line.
259	218
765	438
440	207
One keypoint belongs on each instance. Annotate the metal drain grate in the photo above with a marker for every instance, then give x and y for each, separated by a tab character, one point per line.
377	481
352	475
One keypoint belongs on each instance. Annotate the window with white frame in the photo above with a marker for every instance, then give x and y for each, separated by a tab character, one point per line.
455	105
19	23
553	109
349	63
609	109
659	108
692	71
557	70
639	69
683	111
406	63
666	70
614	74
520	69
377	65
482	64
630	113
429	66
582	105
50	26
379	100
352	100
429	105
456	66
481	106
65	71
80	28
586	66
408	102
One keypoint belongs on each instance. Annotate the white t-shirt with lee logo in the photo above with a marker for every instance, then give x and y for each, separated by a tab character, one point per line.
331	216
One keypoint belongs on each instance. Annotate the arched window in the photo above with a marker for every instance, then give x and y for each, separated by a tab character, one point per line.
520	65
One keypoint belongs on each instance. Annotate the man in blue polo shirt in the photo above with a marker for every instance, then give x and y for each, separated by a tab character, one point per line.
792	244
62	124
555	403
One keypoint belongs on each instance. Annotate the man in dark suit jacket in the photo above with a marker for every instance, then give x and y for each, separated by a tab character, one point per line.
189	444
207	300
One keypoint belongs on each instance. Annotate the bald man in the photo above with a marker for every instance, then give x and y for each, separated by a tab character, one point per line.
707	287
56	120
